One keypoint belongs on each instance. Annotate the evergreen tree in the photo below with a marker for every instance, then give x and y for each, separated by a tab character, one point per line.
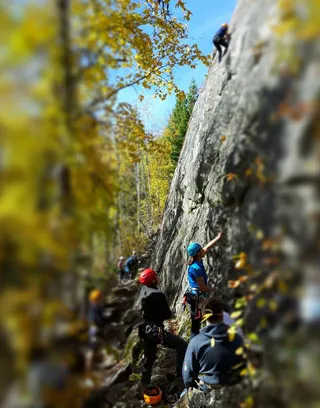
192	97
179	120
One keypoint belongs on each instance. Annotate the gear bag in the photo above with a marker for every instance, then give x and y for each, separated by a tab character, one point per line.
151	332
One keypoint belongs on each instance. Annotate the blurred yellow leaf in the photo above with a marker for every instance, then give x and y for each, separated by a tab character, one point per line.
235	315
239	351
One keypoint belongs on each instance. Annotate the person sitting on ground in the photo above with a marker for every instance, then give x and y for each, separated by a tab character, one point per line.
155	310
198	279
211	360
222	38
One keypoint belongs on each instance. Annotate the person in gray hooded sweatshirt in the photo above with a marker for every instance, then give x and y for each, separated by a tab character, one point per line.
211	360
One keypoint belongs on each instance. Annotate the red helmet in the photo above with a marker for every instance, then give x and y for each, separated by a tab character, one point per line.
148	276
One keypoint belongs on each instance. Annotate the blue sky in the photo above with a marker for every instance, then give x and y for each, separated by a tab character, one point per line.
207	16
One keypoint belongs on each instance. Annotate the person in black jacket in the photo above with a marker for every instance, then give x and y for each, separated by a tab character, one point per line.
222	39
155	310
211	360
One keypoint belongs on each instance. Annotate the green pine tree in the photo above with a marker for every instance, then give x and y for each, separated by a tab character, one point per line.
179	120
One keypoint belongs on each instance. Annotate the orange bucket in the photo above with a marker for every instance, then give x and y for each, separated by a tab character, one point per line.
152	396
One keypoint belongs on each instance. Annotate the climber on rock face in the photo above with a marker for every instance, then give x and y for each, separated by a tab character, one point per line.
155	310
222	38
211	360
197	277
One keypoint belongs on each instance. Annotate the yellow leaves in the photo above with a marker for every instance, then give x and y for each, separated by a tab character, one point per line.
283	287
273	306
233	284
257	170
235	315
253	337
244	372
239	351
206	317
241	263
261	303
232	177
248	172
223	138
232	331
259	235
241	260
212	342
260	169
248	403
180	4
240	303
285	27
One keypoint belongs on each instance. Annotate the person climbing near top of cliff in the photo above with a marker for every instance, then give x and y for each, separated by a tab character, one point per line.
222	38
197	278
155	310
214	359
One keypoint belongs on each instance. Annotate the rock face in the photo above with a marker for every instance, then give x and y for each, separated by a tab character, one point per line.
250	167
249	160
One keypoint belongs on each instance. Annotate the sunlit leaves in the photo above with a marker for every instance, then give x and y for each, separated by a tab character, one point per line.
232	331
126	43
248	403
231	177
206	317
233	284
253	337
299	22
235	315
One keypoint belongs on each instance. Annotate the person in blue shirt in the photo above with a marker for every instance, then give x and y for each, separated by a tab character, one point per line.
212	360
198	281
222	38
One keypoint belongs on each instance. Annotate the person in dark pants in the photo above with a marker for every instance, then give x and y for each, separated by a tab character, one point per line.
155	310
198	279
132	265
222	38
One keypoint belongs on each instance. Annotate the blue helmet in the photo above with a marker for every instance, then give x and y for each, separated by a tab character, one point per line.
193	248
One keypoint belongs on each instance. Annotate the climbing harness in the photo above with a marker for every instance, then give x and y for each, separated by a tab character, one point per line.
195	298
